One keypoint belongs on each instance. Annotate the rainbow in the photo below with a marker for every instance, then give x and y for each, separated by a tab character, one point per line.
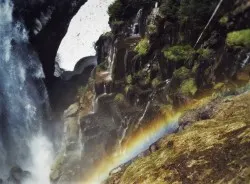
165	123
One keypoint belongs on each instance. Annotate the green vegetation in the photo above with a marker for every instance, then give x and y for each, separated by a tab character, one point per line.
195	13
179	53
115	9
239	38
188	87
155	82
117	22
223	20
204	53
219	86
182	73
152	28
169	8
124	10
119	98
129	79
142	47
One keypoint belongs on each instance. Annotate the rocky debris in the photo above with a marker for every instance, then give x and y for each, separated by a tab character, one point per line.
215	150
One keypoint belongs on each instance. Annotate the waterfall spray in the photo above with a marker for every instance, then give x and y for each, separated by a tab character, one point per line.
23	101
211	18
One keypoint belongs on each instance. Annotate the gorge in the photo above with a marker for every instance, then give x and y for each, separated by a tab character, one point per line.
165	99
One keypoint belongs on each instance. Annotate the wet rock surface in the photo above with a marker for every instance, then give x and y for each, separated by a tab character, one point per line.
148	65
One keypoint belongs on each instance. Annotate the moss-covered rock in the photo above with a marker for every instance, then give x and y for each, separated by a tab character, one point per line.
179	53
188	87
119	98
142	47
239	38
182	73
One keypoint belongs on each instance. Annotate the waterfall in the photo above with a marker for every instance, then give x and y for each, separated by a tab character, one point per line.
245	62
23	100
136	29
211	18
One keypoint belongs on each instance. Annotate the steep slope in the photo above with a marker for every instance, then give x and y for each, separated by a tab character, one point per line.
151	65
212	150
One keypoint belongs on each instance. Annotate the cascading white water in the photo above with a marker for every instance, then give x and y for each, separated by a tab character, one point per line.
245	62
23	101
209	21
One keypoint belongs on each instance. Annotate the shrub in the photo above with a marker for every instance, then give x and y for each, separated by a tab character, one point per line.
188	87
142	47
152	28
129	79
169	8
182	73
239	38
128	88
119	98
179	53
195	13
223	20
115	9
155	82
205	53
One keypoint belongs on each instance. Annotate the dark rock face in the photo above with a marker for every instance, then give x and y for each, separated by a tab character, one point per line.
47	22
148	66
66	86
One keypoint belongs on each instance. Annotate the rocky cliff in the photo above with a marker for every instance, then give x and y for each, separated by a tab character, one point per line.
47	23
159	58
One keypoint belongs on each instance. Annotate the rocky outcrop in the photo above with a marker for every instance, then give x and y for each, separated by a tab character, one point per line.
214	149
69	83
149	64
47	23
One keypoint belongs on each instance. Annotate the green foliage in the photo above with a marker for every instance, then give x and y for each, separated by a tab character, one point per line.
117	22
223	20
115	9
129	79
119	98
142	47
219	86
169	8
152	28
124	10
204	53
155	82
239	38
188	87
182	73
179	53
128	88
195	13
